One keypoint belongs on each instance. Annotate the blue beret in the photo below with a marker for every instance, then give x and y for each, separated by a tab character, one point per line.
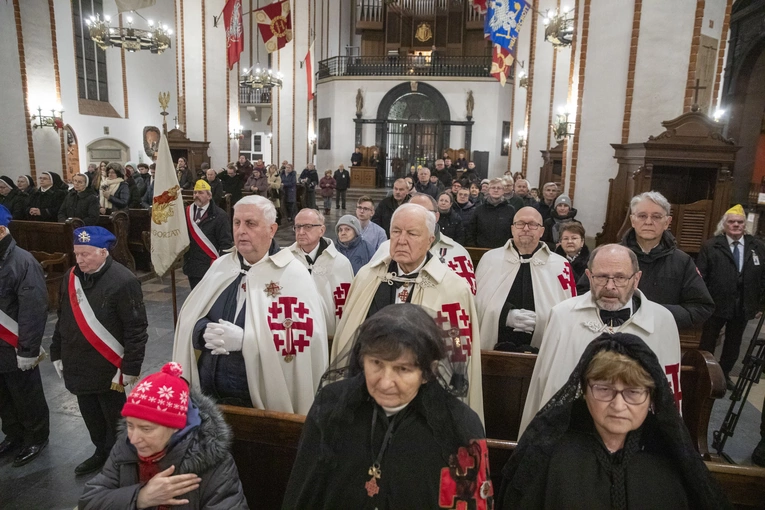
5	216
98	237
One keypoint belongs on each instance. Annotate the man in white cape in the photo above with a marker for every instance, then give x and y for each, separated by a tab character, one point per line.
444	248
257	321
410	274
331	270
613	305
518	284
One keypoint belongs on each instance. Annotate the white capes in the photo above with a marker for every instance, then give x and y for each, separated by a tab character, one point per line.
448	251
574	324
332	273
284	321
438	290
551	276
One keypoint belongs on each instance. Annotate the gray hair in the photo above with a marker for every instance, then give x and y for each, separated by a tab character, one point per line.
319	216
719	229
655	197
262	203
614	247
429	217
523	180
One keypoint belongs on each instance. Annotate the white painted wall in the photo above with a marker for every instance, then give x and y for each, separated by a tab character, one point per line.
14	157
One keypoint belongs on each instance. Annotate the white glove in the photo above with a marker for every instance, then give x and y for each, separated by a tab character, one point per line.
129	380
25	363
59	366
521	320
223	337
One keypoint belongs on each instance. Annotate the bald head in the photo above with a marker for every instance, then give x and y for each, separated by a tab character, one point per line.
613	252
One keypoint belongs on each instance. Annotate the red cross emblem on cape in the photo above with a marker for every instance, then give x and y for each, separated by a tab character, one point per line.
463	266
566	279
465	484
340	295
291	325
455	321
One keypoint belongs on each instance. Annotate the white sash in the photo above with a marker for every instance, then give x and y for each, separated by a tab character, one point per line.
200	238
9	330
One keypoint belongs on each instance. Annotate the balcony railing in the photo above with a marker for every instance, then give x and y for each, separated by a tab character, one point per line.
249	95
394	65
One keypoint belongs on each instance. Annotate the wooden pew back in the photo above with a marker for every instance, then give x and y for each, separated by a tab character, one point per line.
118	223
140	222
46	236
476	254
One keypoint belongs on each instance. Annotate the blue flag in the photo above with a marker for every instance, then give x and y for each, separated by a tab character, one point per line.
503	20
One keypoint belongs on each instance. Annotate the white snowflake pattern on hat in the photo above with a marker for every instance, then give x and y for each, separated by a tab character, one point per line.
166	392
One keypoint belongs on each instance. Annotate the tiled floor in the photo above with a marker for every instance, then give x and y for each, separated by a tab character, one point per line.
49	481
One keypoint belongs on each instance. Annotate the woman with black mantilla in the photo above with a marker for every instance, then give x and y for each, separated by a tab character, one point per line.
611	438
392	434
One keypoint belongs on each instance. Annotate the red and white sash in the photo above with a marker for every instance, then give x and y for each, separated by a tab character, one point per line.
95	332
199	237
9	330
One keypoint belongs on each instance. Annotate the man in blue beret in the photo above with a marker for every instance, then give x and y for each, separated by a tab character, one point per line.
100	337
23	313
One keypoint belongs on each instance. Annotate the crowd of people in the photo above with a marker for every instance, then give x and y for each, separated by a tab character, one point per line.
394	402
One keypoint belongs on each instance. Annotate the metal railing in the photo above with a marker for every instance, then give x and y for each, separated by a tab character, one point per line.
394	65
249	95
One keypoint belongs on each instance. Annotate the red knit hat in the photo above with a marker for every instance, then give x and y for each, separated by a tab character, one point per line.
161	398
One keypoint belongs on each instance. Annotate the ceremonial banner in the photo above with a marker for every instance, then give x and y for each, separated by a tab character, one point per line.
502	21
501	63
309	71
275	25
133	5
169	233
480	6
232	17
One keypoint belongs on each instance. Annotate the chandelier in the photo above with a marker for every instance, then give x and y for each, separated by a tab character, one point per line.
257	78
559	28
156	39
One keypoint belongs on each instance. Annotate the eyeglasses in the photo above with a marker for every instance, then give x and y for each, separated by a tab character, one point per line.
365	209
307	227
520	225
572	238
632	396
643	217
619	281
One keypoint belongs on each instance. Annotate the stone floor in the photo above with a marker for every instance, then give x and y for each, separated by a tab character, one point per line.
49	482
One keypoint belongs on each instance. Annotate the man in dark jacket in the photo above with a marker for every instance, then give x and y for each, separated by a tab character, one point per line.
387	205
210	238
545	204
424	185
343	182
96	367
216	186
23	312
443	173
731	267
491	224
45	202
81	202
232	183
142	178
357	157
309	178
465	208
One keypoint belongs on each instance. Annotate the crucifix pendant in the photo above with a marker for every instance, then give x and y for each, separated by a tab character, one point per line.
371	485
404	294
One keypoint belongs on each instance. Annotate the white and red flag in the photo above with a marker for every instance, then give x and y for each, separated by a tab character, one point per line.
232	17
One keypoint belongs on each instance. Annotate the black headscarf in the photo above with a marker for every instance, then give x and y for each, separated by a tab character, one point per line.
8	181
538	443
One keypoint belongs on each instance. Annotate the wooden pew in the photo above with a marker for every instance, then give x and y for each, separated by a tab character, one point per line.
224	202
140	222
54	267
118	223
476	254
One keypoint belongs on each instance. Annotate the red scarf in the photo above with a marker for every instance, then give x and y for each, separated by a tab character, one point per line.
148	467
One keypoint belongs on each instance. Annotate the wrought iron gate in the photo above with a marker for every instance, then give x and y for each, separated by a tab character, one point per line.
411	143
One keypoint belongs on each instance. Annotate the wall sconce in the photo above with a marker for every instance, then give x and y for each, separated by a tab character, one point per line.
520	143
559	28
562	127
235	133
523	78
507	144
54	120
718	115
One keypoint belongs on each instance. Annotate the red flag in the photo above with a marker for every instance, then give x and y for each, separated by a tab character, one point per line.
232	17
309	71
275	24
501	63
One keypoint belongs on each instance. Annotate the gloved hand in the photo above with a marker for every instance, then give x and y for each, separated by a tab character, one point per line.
59	366
521	320
129	380
25	363
223	337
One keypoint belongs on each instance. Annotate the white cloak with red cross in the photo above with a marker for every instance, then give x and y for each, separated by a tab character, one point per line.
332	273
285	335
551	277
575	323
448	251
441	292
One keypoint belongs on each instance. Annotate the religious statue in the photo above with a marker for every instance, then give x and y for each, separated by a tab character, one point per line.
470	103
359	102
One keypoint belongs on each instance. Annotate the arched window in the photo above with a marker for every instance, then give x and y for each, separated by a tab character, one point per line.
90	60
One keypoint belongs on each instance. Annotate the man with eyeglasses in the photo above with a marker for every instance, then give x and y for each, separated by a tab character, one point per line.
518	284
331	271
371	232
490	225
615	305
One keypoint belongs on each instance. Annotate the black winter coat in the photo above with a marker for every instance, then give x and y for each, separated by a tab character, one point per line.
202	450
553	224
134	202
384	212
83	205
232	185
429	189
24	298
490	226
343	179
48	201
451	225
117	301
15	202
727	287
465	211
216	225
444	176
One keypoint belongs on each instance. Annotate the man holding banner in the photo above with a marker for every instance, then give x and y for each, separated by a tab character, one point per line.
23	313
209	233
100	337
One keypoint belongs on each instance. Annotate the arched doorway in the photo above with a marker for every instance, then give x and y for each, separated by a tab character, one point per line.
416	127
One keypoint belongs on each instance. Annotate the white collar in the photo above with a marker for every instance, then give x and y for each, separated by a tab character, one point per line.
313	252
731	240
390	411
203	208
45	189
417	270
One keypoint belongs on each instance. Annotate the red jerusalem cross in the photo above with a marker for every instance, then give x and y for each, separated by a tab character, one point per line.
566	279
454	320
464	268
296	324
340	295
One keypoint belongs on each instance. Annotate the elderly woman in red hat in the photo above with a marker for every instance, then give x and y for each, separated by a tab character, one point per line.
173	452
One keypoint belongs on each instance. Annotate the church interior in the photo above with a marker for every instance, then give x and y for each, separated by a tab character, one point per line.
605	99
